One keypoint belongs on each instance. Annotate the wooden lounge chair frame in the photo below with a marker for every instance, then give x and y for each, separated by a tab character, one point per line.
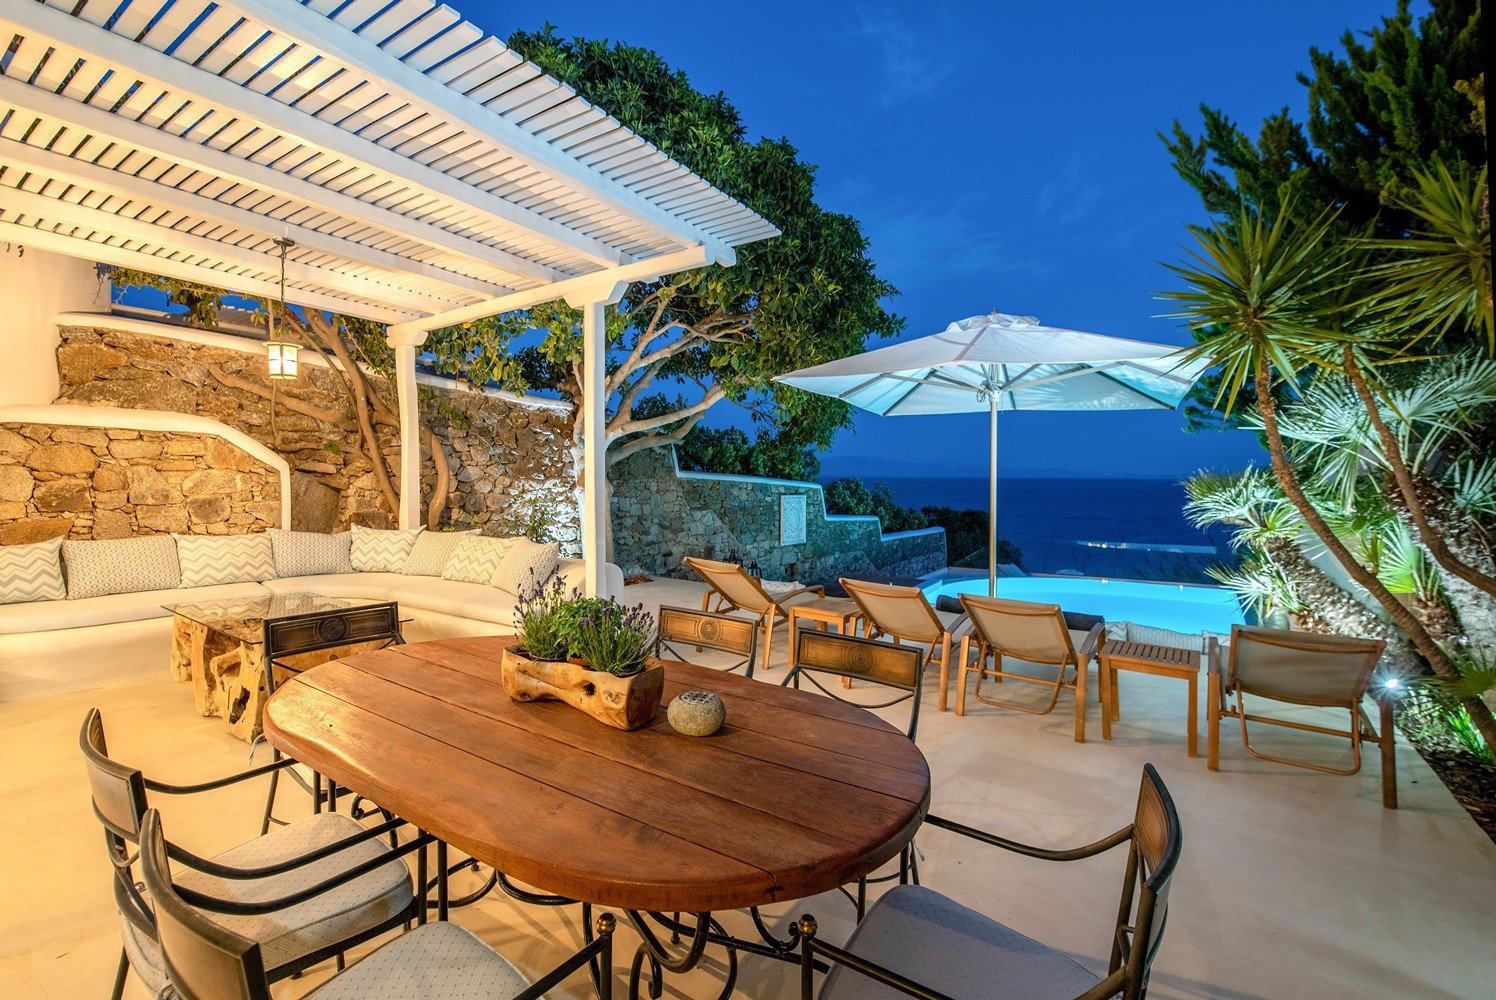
1063	657
735	589
1226	698
922	626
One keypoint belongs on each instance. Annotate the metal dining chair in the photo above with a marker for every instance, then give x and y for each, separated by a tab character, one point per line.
706	630
374	891
206	959
917	942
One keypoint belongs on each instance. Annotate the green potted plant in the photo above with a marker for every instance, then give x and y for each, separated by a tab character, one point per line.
591	653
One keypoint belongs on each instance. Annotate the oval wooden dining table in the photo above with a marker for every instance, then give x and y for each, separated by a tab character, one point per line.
796	795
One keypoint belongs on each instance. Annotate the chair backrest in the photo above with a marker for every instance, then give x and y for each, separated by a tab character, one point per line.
1021	629
204	960
312	632
1301	667
681	627
897	667
118	791
904	612
1157	841
732	583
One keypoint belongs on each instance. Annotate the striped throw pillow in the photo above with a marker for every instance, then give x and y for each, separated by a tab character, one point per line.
310	553
121	566
526	566
476	559
433	550
377	551
31	572
208	560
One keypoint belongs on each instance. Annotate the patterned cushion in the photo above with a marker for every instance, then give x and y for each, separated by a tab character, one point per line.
377	551
212	559
438	959
432	550
942	945
527	565
476	559
309	553
121	566
31	572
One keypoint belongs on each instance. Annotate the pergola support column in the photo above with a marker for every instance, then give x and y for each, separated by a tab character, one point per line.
595	433
410	432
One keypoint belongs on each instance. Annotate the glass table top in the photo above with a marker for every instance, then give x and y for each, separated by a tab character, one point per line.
244	619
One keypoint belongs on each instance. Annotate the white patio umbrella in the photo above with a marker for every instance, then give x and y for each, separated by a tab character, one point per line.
1000	362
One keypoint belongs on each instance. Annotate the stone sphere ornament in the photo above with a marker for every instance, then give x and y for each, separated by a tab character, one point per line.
696	713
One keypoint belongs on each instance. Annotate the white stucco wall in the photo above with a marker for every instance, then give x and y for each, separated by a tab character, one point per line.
34	288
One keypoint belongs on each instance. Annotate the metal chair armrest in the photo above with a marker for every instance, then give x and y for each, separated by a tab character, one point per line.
208	786
1101	846
210	867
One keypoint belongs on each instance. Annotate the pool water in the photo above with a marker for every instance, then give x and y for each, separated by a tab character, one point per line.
1179	607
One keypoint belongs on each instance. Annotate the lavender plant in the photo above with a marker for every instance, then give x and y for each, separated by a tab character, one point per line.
540	618
613	638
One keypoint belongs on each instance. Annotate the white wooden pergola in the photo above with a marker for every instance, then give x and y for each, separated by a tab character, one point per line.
427	174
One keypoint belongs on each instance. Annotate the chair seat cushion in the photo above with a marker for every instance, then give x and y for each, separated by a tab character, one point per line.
436	960
937	942
145	960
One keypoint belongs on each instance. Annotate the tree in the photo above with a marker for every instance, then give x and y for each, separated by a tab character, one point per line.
852	496
728	451
679	346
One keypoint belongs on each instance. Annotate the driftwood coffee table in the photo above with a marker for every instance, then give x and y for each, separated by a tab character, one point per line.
217	647
796	795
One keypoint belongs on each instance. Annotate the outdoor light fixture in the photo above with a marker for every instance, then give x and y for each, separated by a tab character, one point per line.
281	354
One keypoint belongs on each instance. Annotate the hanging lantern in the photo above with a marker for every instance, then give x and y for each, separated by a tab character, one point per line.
282	359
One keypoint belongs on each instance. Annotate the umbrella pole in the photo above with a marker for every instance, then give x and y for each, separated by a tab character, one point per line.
992	502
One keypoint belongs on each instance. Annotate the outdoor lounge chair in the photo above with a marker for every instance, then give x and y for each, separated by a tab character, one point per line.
1035	633
917	942
904	615
1299	668
206	960
736	590
312	850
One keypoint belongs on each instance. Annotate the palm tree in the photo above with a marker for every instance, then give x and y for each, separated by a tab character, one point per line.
1255	290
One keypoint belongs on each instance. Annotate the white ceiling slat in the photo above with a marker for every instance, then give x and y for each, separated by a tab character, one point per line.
225	50
137	16
172	24
420	32
92	11
210	30
483	58
427	57
397	18
356	12
26	57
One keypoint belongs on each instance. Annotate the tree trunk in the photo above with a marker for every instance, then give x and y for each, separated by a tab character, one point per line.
1473	608
1432	540
1438	661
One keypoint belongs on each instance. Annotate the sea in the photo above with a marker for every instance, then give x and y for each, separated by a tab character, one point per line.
1112	527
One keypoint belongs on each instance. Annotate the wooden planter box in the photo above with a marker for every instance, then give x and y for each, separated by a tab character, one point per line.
621	702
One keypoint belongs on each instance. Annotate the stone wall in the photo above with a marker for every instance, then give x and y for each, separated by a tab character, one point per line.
84	482
660	516
510	460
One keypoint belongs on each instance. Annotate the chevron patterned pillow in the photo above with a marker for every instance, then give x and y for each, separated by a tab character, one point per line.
310	553
527	565
121	566
378	551
31	572
207	560
476	559
433	550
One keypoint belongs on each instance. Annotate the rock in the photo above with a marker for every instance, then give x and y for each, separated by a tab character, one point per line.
186	446
157	392
112	524
11	511
264	511
12	443
140	448
147	486
222	455
34	529
315	506
208	510
67	459
15	484
696	713
212	482
111	477
110	500
63	495
171	518
80	363
120	434
90	436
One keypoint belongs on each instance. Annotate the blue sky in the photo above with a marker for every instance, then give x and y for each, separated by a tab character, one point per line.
999	155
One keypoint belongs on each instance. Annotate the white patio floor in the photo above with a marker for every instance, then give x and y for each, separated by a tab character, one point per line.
1293	884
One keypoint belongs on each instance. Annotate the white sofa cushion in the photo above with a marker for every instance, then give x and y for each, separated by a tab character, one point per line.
477	601
120	566
432	550
32	572
476	559
526	565
378	551
310	553
49	616
209	560
374	586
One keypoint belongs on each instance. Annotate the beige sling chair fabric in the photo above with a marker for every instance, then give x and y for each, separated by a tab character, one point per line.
735	590
904	615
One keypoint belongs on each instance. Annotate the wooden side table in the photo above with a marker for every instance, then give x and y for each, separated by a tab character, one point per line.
1146	658
842	612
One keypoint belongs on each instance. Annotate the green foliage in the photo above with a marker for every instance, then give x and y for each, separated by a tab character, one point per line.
966	537
612	638
852	496
728	451
540	623
202	302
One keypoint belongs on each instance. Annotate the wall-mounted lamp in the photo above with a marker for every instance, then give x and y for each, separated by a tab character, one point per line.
281	354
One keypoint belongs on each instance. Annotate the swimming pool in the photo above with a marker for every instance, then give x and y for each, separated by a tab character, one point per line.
1181	607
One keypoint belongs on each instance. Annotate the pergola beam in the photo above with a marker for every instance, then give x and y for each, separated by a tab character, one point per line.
67	170
188	82
309	28
216	163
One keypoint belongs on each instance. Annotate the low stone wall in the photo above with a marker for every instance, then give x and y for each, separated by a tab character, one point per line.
509	459
89	482
661	515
